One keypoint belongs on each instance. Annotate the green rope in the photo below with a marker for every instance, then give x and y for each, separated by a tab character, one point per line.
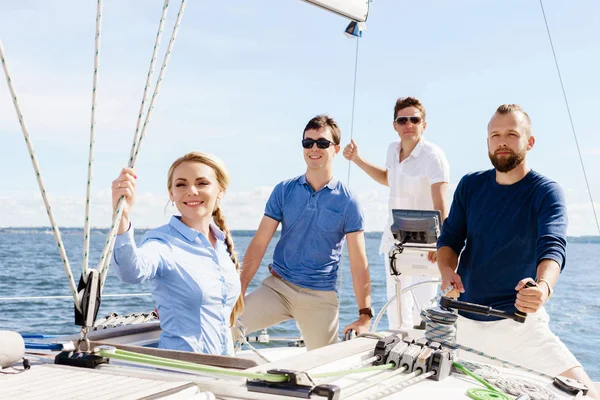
484	394
165	362
464	370
478	393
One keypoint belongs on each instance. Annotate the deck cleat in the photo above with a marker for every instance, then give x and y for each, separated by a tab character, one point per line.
409	358
396	354
80	359
424	360
385	345
441	364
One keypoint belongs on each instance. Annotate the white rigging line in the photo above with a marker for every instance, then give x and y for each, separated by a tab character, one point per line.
340	269
108	246
161	26
570	116
353	104
86	229
36	168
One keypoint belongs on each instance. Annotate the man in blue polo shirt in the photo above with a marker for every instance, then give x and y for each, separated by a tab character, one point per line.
509	226
317	213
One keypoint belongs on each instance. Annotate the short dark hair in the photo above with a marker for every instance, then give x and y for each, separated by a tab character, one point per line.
505	109
324	121
405	102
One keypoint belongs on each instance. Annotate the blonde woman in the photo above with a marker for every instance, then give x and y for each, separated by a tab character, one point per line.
191	261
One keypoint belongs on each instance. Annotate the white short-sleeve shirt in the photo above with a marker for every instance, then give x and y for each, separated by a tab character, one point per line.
410	181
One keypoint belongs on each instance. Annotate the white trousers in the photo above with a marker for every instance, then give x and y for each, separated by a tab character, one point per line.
531	344
410	310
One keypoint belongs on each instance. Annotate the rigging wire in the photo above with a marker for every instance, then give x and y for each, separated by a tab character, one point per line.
341	274
38	174
353	103
87	226
564	92
110	240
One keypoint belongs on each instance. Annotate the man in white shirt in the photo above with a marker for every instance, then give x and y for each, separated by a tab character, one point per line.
417	174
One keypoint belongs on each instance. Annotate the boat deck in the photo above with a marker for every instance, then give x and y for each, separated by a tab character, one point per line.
49	381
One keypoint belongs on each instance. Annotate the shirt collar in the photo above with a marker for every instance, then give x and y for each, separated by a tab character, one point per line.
191	234
418	148
331	184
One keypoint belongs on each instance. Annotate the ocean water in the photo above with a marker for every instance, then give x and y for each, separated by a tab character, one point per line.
30	266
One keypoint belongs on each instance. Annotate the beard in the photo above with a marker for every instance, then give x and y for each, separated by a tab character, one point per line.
506	164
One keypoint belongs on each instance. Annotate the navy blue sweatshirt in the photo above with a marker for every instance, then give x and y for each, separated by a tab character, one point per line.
508	230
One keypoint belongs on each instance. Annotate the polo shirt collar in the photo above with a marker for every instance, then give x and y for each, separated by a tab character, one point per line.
331	184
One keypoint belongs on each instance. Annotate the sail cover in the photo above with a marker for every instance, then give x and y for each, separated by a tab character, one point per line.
357	10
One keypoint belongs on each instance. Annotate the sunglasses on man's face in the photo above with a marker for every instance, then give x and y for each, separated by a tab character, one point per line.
321	143
404	120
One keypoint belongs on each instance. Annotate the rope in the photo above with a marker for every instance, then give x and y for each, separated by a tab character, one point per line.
161	26
68	297
411	379
564	92
243	339
440	326
87	226
176	364
108	246
36	168
340	269
136	137
353	103
510	385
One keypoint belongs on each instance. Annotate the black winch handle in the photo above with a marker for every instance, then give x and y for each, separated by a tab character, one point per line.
519	314
447	302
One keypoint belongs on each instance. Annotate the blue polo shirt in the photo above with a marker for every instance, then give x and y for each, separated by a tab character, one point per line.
313	227
502	233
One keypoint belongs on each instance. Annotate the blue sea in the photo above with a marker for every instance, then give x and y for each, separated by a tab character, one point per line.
30	266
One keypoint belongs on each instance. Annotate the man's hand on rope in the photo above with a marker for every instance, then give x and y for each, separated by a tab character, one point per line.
530	299
124	185
450	277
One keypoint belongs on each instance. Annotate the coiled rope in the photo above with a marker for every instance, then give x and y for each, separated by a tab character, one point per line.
488	375
440	326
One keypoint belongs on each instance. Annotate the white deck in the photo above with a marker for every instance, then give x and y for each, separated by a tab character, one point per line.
120	380
49	381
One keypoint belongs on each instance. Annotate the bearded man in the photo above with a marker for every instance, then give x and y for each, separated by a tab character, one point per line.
509	226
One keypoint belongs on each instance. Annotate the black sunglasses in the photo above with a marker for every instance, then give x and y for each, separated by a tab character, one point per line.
404	120
321	143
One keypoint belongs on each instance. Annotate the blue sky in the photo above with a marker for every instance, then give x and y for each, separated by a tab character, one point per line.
245	77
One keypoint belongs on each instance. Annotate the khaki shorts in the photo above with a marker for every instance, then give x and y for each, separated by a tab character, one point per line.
532	344
316	311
